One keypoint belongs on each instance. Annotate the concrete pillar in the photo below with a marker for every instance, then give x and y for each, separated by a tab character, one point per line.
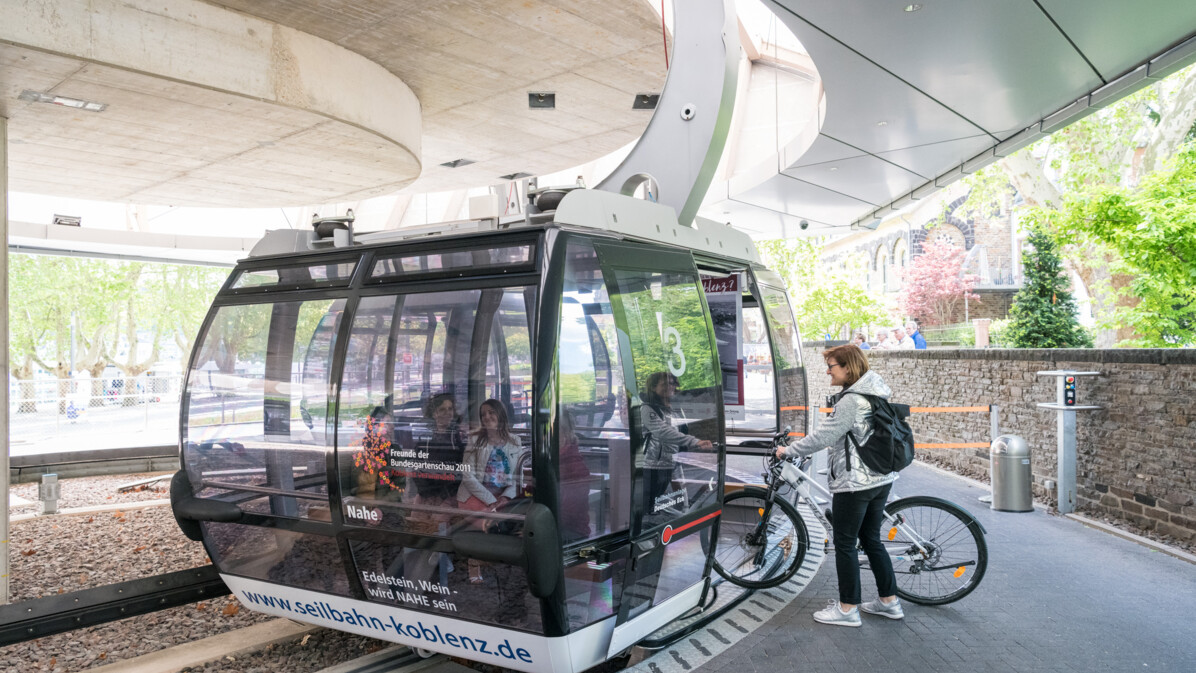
4	547
981	325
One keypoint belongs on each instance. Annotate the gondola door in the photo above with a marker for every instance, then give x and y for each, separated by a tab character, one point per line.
673	382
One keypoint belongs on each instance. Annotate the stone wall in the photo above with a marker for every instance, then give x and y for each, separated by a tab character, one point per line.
1136	457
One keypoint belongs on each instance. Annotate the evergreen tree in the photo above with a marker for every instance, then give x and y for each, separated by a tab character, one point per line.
1044	312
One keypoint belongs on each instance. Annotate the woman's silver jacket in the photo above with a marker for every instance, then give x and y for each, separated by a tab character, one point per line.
852	413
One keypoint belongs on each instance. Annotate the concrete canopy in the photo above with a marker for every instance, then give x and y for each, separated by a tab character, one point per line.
310	101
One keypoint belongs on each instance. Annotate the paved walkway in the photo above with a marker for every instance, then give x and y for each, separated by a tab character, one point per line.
1058	596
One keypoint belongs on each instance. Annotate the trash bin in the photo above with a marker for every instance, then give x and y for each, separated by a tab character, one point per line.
1009	469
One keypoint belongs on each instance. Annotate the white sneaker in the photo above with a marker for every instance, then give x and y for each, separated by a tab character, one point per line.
835	616
878	607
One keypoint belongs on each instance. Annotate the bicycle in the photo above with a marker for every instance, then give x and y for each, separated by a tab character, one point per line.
938	548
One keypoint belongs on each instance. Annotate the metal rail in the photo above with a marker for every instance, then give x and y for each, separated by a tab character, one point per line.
47	616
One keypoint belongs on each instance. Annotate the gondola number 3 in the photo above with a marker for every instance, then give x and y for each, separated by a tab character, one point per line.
671	335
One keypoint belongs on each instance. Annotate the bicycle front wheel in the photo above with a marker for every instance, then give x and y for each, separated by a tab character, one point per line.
938	550
760	544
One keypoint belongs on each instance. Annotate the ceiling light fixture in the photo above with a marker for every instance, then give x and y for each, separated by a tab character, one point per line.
882	123
457	163
834	168
541	100
515	176
62	101
912	8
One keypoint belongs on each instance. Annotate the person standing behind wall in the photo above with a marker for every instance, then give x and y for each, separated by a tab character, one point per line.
903	342
911	327
882	340
861	341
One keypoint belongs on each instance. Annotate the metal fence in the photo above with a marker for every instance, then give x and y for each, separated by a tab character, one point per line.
49	415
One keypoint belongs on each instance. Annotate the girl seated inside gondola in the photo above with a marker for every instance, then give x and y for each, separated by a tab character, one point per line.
491	476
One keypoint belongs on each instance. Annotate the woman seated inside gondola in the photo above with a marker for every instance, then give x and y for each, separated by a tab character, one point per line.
491	476
443	449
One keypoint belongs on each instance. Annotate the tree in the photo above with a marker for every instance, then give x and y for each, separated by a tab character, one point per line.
1151	233
1117	147
1043	314
935	284
824	300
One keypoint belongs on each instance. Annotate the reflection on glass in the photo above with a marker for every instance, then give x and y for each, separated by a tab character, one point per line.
589	591
786	348
294	559
333	274
678	404
759	392
462	259
594	446
256	429
426	581
435	412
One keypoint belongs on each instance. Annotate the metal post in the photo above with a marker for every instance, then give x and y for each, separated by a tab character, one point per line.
994	425
1065	488
4	546
1067	461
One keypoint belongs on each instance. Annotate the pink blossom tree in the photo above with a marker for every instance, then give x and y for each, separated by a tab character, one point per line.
935	285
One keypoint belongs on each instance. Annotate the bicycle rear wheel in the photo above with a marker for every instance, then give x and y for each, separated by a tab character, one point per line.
760	544
955	556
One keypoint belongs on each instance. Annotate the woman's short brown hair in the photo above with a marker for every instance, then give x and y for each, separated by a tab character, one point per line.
851	358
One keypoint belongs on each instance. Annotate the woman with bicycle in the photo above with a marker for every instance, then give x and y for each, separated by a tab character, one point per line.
859	493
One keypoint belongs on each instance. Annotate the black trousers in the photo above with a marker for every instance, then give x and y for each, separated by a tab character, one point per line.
858	516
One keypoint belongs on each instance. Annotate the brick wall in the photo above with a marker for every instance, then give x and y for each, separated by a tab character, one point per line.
1136	457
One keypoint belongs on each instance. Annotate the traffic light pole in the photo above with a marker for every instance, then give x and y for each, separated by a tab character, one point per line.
1065	407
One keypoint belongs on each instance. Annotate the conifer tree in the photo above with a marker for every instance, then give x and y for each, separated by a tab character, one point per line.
1044	312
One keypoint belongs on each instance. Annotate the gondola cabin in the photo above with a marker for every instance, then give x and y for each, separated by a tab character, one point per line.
506	444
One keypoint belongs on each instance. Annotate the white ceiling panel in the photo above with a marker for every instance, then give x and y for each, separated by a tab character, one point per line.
804	200
865	178
1114	34
827	149
935	158
994	62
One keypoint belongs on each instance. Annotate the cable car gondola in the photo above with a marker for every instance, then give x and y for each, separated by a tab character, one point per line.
506	444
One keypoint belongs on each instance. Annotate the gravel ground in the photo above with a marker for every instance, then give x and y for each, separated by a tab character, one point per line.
92	491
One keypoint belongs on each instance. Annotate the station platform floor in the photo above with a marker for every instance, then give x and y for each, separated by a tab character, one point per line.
1057	596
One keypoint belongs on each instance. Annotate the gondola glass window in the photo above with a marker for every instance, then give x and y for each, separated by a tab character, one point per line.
258	406
592	423
786	348
677	376
434	438
416	446
257	435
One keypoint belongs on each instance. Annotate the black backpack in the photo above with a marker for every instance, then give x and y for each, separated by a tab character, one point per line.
890	448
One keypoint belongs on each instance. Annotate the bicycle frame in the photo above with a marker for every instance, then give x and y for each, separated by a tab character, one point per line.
804	486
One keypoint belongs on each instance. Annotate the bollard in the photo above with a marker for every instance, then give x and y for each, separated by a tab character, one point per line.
47	493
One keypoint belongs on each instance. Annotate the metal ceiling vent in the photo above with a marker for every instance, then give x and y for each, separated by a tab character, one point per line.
337	228
457	163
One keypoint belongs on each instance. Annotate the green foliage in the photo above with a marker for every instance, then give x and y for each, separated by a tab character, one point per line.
998	334
824	300
578	387
1151	233
1044	313
667	328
